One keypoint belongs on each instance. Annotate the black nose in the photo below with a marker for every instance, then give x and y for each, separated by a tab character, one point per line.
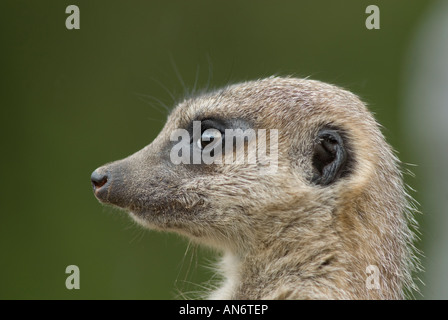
99	179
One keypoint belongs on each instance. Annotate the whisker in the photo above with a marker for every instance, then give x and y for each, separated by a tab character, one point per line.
210	72
179	77
160	102
195	80
173	97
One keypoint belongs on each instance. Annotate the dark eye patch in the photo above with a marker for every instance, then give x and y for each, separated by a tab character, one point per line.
219	124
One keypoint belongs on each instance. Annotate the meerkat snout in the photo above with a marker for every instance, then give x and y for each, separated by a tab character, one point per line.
99	182
291	179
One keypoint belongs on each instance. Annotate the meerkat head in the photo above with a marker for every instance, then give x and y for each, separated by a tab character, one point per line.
274	168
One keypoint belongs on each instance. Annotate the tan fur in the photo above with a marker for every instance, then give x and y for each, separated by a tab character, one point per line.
283	237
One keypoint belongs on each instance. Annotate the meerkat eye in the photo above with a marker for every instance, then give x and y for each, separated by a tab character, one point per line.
209	136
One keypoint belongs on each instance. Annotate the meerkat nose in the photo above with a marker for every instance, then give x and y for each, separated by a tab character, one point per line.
99	180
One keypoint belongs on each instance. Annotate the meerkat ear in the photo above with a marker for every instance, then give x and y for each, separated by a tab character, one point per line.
329	157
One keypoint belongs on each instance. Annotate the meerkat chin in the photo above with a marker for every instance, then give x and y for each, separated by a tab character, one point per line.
291	179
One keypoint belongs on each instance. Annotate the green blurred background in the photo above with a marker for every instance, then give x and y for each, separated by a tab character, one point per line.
70	102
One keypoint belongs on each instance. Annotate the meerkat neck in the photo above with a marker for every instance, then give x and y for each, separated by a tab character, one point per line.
305	264
283	270
257	277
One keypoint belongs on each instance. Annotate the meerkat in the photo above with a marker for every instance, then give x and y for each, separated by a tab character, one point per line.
332	214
